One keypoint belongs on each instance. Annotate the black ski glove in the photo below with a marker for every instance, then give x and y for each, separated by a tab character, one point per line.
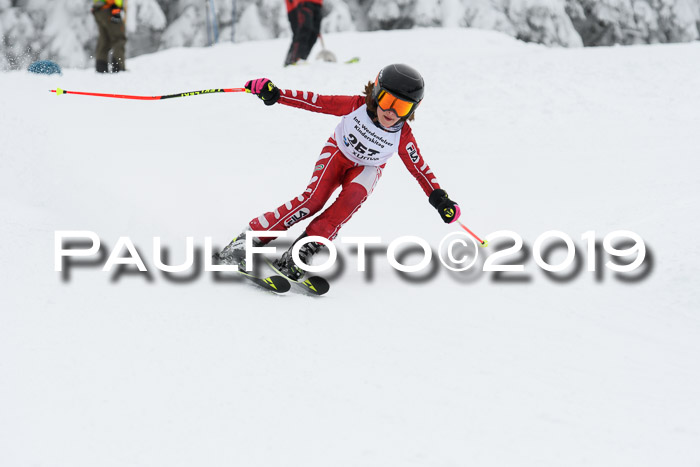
449	210
264	89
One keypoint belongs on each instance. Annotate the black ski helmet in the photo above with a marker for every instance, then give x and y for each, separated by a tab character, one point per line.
402	81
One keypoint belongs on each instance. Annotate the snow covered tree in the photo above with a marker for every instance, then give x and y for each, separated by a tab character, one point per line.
19	44
543	21
145	24
261	19
64	30
607	22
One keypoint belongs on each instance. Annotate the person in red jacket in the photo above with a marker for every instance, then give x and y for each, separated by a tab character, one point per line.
373	128
305	19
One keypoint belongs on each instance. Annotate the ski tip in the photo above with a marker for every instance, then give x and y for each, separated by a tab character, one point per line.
317	285
278	284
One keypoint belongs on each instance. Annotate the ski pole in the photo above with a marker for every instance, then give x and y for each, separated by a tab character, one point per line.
60	91
325	54
483	243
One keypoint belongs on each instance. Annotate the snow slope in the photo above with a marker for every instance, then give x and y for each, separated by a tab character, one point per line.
457	369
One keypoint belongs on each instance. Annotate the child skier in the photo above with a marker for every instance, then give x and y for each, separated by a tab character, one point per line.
373	128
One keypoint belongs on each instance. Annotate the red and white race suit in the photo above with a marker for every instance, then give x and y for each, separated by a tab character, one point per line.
353	158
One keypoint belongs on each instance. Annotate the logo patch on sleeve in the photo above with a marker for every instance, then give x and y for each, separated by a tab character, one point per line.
412	152
296	217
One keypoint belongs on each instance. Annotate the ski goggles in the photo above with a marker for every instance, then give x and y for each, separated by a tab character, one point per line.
387	101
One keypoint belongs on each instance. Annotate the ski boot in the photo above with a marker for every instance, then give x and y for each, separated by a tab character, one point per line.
234	252
286	264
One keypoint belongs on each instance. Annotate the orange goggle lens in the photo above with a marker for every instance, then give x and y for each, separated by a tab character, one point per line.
388	101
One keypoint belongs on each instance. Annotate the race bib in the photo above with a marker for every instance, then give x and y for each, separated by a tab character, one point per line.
361	141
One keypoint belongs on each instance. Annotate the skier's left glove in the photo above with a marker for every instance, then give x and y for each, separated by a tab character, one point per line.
264	89
449	210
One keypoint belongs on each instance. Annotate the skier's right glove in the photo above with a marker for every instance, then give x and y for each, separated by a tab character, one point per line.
264	89
449	210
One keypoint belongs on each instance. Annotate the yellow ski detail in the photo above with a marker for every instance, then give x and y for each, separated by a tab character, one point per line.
269	281
310	286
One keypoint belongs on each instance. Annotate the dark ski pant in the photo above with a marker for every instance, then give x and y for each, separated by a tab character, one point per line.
111	36
305	20
332	170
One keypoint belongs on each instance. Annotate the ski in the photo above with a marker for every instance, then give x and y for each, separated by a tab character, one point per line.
276	283
349	61
314	285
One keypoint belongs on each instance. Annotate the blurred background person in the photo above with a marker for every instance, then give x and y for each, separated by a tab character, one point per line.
112	35
305	19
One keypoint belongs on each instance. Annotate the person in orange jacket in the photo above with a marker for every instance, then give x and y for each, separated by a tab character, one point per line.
108	15
305	19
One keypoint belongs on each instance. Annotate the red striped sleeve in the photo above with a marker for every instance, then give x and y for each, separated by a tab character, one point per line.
333	105
414	162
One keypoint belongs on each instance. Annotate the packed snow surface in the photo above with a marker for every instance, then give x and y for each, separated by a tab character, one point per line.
450	369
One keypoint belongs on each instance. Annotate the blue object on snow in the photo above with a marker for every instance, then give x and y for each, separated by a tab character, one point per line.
45	67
